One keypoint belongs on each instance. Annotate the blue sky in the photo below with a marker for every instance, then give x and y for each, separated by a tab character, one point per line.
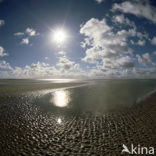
104	39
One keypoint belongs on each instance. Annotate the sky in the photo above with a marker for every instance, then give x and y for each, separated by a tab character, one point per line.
77	39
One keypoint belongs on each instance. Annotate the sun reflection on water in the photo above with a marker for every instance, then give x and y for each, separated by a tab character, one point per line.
61	98
59	120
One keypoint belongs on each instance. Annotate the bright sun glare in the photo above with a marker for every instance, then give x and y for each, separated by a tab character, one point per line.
61	98
59	36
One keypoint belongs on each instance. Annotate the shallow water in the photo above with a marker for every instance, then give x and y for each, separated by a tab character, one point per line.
98	96
95	96
70	96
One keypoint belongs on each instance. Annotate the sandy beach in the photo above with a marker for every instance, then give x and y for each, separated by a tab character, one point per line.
29	130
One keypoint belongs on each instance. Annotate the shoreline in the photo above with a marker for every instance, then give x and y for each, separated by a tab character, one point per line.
145	96
147	101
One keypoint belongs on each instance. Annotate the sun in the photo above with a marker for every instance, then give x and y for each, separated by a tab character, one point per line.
59	36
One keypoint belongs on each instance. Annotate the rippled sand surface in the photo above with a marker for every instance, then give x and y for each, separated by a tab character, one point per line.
28	129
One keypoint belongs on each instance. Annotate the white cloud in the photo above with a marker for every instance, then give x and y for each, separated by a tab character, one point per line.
153	41
4	65
4	74
44	70
124	62
142	35
25	41
141	42
65	64
77	67
121	19
31	32
99	1
124	73
19	34
41	70
99	34
144	72
35	70
145	59
2	52
106	47
140	8
94	28
2	22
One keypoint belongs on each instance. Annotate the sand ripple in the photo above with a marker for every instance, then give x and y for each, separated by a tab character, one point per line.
27	129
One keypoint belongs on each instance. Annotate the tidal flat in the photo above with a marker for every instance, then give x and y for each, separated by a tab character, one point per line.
89	117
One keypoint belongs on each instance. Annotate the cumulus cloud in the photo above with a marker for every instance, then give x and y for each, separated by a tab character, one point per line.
44	70
138	8
124	62
4	65
124	73
143	72
65	64
25	41
106	47
41	70
2	22
2	52
121	19
141	42
99	34
35	70
145	59
31	32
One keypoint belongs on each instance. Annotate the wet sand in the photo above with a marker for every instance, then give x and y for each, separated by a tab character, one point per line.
25	129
